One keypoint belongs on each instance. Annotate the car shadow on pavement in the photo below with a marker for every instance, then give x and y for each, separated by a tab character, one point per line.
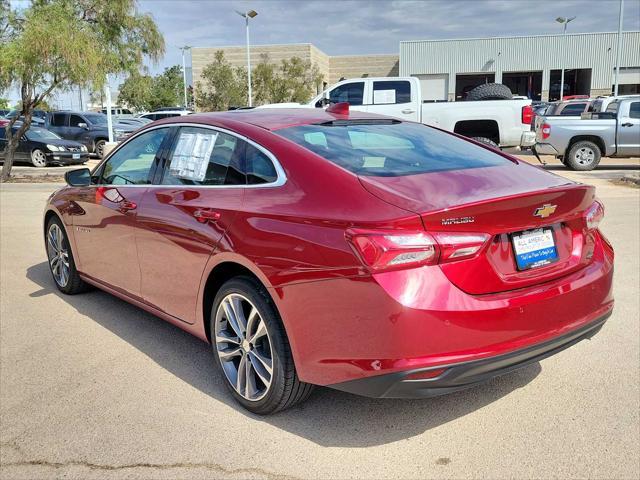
329	418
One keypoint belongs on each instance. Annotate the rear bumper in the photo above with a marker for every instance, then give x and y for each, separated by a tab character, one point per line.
528	139
546	149
459	376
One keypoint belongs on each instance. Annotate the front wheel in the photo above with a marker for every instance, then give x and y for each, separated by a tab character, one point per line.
583	156
38	158
252	349
61	262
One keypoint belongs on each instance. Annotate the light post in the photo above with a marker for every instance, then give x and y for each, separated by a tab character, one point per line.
618	49
247	16
563	21
184	74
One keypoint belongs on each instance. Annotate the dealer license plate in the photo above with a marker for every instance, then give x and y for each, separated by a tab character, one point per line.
534	248
76	156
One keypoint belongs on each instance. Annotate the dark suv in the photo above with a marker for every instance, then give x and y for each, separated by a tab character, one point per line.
88	128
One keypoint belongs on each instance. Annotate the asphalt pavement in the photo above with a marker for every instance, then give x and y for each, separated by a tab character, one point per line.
92	387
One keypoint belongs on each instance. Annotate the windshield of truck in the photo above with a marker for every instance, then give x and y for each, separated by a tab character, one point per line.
390	149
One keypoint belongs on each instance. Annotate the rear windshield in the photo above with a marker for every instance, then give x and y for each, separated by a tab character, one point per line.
390	149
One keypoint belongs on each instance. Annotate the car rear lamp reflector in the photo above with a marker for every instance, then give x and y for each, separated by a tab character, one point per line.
457	246
527	114
381	250
426	374
594	215
546	131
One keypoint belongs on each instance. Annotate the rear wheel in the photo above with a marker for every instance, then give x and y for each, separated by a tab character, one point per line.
38	158
61	262
584	155
486	141
253	350
99	148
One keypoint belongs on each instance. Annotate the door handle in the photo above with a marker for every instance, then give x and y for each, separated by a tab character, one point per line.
628	124
204	215
127	205
408	110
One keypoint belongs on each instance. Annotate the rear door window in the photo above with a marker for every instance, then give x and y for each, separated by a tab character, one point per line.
634	110
391	92
58	119
202	156
390	148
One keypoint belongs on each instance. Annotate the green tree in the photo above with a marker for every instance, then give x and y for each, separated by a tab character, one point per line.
56	44
4	103
144	92
222	85
297	81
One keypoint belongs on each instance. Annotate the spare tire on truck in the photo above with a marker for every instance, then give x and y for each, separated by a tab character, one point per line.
490	91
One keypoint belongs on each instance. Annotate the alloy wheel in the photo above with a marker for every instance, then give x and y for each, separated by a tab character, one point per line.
58	255
585	156
244	346
38	158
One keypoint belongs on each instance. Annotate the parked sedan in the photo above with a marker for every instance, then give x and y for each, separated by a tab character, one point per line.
310	247
40	147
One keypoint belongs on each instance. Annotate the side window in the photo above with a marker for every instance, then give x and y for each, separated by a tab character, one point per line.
75	120
634	110
202	156
391	92
131	164
259	167
349	92
574	109
57	119
612	107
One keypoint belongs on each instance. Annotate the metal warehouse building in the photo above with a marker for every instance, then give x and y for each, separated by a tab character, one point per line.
528	65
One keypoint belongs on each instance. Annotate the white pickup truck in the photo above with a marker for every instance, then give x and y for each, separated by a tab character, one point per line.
503	122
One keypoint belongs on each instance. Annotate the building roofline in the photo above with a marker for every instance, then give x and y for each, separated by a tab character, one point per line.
514	37
262	45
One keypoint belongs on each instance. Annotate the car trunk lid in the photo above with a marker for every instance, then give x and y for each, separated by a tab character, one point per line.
500	201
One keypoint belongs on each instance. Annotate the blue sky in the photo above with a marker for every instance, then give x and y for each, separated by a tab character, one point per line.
341	27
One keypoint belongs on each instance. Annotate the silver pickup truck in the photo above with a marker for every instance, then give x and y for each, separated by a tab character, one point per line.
580	142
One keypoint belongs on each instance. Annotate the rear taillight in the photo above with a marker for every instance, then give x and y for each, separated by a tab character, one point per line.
527	114
546	130
594	215
393	250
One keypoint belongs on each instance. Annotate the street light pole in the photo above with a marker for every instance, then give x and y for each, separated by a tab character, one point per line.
184	74
247	16
619	49
564	21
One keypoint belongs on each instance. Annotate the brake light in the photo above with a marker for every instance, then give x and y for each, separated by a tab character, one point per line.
546	130
594	215
392	250
527	114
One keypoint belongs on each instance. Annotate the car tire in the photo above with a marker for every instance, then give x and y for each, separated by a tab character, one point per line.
245	357
489	91
486	141
61	262
99	148
583	156
38	158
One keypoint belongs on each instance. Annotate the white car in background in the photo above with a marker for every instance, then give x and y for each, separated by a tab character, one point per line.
165	113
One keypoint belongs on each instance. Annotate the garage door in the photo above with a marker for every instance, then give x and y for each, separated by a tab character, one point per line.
434	87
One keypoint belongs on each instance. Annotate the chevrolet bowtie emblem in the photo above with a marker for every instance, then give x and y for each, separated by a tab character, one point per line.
545	210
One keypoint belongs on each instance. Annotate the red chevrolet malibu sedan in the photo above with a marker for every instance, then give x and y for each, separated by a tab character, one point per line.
310	247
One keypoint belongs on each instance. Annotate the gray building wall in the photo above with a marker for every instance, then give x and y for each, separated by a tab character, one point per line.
596	51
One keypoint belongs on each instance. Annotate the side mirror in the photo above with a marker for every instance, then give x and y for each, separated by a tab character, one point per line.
82	125
80	177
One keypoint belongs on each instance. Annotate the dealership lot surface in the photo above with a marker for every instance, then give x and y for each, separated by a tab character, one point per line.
91	387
